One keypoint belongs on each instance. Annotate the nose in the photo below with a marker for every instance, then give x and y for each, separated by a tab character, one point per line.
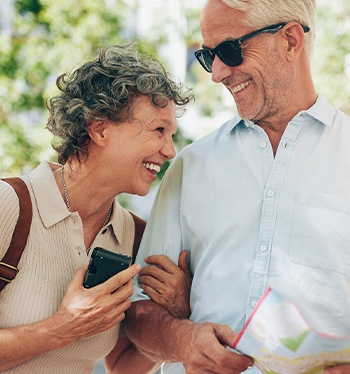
220	71
168	149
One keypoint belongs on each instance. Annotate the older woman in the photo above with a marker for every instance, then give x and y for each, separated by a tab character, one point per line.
113	123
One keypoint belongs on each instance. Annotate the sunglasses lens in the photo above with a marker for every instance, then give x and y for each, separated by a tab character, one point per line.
205	58
230	53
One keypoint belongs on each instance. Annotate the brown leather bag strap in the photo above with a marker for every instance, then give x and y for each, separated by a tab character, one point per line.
140	225
8	264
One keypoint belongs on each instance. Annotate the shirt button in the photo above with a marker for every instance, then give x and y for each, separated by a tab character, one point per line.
270	193
104	231
263	248
254	304
263	144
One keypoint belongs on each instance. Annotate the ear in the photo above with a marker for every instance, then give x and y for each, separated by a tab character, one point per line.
97	131
295	37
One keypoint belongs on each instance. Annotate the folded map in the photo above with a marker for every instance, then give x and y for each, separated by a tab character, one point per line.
280	341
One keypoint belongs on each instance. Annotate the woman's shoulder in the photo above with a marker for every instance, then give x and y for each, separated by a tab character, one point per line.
9	212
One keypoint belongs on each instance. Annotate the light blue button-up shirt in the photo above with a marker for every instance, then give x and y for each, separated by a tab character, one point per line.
251	220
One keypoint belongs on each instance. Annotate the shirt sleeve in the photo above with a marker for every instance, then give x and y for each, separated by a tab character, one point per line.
162	234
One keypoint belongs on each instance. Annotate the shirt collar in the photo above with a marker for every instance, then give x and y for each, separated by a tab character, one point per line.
117	221
51	206
52	209
322	111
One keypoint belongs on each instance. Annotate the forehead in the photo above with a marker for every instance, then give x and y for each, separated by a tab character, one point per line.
219	22
146	112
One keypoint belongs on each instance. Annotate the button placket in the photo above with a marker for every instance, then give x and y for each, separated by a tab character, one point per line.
273	186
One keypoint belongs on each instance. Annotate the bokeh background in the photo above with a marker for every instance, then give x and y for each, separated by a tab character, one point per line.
40	39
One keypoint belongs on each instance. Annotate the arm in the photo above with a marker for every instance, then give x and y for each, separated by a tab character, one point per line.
200	347
167	284
125	358
83	313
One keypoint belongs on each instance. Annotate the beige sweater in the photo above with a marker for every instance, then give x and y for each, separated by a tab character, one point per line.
54	251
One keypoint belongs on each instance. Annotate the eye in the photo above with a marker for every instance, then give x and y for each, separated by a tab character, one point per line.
160	129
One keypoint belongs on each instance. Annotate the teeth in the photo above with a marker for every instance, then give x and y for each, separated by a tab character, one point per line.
241	86
153	167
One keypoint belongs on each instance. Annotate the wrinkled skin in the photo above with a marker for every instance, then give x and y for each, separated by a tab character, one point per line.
167	284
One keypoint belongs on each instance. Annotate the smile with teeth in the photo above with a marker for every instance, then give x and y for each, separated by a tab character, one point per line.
241	86
152	167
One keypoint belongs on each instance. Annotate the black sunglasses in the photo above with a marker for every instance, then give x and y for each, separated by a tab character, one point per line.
230	52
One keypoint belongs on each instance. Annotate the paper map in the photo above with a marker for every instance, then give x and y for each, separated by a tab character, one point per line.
280	341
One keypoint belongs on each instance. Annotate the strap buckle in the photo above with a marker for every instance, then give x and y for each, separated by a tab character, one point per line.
10	267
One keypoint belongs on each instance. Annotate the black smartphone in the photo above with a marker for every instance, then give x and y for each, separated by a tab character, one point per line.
103	265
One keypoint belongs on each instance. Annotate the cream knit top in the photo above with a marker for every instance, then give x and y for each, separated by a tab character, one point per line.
54	251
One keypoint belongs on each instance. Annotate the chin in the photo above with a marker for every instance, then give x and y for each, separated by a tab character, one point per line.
141	191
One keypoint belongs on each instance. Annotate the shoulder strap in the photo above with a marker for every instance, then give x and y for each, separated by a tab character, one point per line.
8	264
140	225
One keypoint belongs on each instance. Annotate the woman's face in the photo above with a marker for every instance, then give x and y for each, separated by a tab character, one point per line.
136	150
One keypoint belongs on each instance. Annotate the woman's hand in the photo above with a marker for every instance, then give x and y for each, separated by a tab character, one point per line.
167	284
87	312
83	313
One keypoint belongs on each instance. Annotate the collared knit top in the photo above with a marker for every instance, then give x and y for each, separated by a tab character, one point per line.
54	251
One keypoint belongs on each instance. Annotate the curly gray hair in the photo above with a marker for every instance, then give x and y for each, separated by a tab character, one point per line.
106	88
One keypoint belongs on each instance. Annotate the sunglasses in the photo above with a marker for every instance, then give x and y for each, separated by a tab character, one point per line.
230	52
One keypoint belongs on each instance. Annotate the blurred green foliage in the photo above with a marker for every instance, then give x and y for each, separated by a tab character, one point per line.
46	38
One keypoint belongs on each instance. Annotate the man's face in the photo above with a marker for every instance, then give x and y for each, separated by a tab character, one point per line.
257	85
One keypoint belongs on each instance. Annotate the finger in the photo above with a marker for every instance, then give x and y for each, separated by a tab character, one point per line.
222	357
152	282
225	335
119	279
155	272
123	293
78	279
163	261
183	264
154	295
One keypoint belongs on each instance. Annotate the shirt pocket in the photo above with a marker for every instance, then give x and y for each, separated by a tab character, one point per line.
320	232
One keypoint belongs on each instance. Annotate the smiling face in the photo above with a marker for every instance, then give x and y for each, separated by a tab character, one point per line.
260	84
136	150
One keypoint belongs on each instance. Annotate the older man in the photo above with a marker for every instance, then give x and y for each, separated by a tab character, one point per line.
263	200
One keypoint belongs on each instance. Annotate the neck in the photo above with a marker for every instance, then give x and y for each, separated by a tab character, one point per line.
93	216
83	192
276	125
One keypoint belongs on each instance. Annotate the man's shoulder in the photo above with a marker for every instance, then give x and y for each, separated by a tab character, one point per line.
218	135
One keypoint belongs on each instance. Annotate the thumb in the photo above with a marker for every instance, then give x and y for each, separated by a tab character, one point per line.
79	276
183	264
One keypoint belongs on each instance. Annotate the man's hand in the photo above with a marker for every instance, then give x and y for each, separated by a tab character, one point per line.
167	284
201	347
207	351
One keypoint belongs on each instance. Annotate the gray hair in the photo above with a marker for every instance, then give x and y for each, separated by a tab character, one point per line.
106	88
261	13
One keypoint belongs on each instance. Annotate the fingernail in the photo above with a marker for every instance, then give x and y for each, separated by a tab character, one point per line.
138	267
